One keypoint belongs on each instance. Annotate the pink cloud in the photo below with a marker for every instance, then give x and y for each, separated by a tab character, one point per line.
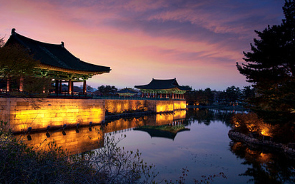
199	46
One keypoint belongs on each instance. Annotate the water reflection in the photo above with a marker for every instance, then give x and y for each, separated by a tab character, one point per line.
73	140
207	116
205	149
84	139
164	131
264	167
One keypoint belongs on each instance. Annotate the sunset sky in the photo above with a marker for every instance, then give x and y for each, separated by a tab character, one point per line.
198	42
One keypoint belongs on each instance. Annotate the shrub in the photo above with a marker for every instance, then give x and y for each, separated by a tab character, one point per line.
109	164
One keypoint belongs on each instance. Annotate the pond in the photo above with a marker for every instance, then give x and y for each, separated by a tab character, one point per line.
195	140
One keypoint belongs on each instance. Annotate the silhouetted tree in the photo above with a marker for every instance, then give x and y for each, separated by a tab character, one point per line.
89	88
270	67
200	97
107	90
233	94
229	96
15	63
248	92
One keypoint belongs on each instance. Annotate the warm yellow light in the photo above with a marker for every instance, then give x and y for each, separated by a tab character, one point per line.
264	158
180	114
56	112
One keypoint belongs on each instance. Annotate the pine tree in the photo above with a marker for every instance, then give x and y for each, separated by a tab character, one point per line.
270	67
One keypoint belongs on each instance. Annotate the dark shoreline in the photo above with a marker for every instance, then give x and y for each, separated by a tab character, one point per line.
262	144
219	107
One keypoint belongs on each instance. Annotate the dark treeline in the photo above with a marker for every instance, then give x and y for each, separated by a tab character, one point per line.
231	96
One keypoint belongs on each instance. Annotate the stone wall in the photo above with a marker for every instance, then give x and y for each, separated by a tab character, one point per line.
120	106
39	113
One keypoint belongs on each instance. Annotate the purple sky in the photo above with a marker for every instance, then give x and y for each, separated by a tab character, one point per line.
198	42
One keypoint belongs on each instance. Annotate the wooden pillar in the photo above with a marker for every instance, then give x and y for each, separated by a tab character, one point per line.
44	88
60	86
56	86
21	84
70	87
7	84
84	87
72	84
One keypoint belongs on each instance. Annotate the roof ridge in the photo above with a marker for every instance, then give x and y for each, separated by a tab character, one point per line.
30	39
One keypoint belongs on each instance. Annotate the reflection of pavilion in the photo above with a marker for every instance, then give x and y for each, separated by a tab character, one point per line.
166	126
164	131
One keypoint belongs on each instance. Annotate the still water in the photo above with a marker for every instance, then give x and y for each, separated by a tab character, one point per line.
195	140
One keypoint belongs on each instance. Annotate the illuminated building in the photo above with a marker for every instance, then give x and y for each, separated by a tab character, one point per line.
56	63
159	88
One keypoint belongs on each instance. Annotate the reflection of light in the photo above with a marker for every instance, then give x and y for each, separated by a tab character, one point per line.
179	114
164	106
163	119
264	158
70	142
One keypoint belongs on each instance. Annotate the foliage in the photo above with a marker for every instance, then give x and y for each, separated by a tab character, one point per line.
121	166
200	97
284	133
23	164
1	42
270	67
248	93
109	164
230	96
251	123
262	166
107	90
246	123
205	179
16	62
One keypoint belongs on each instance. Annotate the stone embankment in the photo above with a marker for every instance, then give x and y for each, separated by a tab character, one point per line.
288	149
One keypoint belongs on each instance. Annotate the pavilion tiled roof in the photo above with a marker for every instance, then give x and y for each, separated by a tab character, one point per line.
55	55
163	84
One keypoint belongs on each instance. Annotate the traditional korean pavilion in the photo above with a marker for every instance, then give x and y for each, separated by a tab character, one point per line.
159	88
57	63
